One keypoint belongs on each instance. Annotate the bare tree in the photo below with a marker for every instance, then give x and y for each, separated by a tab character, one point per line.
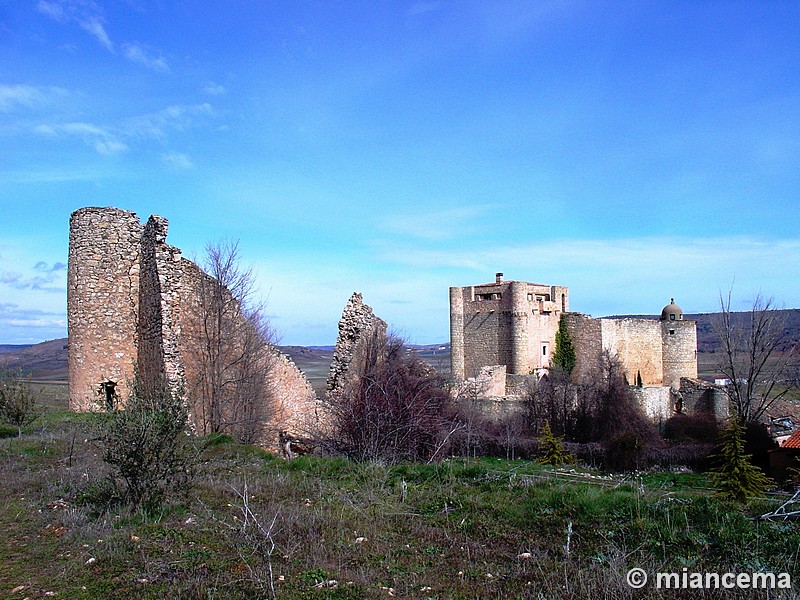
234	351
551	399
756	356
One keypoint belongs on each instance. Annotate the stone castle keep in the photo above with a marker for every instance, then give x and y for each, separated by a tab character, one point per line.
504	331
132	303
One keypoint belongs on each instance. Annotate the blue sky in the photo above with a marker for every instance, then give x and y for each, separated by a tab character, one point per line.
633	151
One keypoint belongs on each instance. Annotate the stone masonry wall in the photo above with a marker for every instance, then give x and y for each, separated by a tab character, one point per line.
357	328
134	302
680	351
637	343
103	303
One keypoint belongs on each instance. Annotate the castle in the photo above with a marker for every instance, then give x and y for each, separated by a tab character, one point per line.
504	331
133	308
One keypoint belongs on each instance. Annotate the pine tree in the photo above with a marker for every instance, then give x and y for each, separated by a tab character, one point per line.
553	451
564	355
735	475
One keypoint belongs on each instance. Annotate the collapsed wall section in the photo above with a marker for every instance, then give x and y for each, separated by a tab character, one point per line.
102	305
159	353
134	304
358	329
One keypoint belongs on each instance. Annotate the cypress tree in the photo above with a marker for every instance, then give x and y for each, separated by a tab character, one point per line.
737	477
564	355
553	451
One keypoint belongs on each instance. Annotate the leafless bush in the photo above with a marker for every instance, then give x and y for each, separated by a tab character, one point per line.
392	410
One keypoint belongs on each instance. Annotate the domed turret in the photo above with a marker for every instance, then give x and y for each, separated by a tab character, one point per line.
672	312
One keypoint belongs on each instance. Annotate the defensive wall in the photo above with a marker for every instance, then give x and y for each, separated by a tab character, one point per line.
513	325
134	305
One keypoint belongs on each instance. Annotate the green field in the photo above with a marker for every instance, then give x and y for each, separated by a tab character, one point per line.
254	526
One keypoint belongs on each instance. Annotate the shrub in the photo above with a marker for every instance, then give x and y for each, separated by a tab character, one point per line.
17	406
147	446
553	451
699	428
624	452
394	408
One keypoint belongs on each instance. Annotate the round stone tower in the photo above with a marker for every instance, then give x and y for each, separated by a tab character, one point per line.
520	360
679	345
457	367
102	305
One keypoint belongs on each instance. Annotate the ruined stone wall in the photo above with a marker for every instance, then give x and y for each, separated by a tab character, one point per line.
297	408
160	306
134	302
657	402
699	397
637	343
358	329
102	303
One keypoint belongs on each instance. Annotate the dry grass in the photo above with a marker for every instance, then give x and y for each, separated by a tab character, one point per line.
257	527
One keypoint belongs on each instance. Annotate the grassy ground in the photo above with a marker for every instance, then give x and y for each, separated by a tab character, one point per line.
253	526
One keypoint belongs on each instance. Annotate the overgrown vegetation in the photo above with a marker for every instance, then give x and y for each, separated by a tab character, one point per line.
255	526
17	403
147	446
392	409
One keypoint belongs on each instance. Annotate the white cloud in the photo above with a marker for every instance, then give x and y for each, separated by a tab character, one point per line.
622	276
177	117
213	89
177	161
436	225
136	53
103	140
38	323
95	28
13	96
52	9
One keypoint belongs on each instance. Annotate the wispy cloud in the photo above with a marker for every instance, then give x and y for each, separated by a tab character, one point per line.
43	279
103	140
436	225
178	117
24	325
94	26
14	96
85	13
214	89
177	161
109	140
135	52
54	10
421	8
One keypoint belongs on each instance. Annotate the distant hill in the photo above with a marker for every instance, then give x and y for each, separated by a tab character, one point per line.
48	360
45	361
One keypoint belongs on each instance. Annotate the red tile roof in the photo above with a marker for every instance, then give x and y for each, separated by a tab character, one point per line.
793	441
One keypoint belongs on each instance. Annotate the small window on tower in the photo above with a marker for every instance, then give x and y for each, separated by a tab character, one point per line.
672	317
